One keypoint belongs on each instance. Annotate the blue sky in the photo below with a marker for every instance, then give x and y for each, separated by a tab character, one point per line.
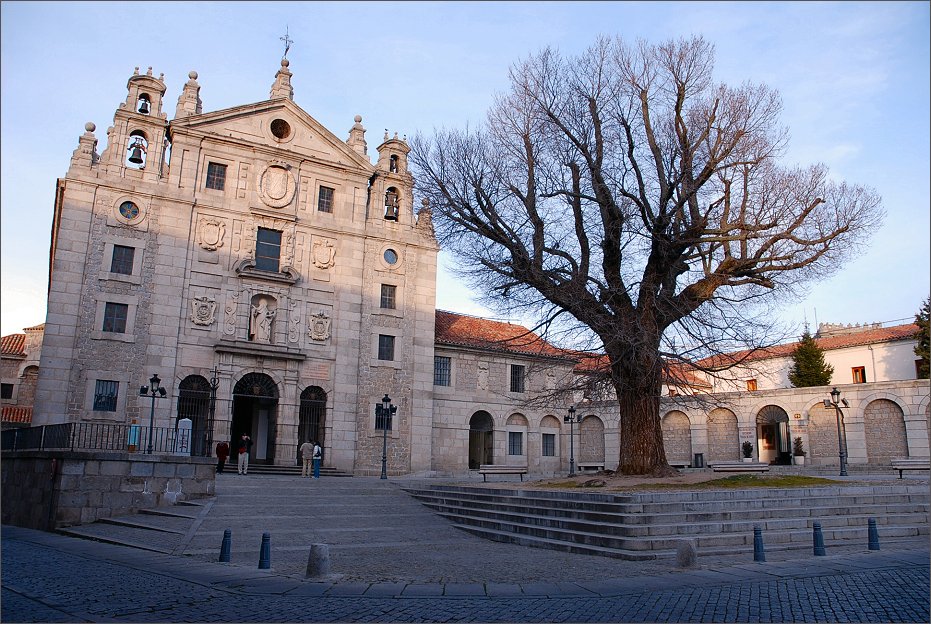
854	79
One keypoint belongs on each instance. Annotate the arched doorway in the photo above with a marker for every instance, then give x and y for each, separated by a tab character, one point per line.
311	418
194	403
255	410
723	436
591	443
773	438
481	440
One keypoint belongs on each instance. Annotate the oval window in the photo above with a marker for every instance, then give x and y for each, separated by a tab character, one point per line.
391	256
281	129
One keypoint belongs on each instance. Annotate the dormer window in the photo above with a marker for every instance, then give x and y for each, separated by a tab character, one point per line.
392	208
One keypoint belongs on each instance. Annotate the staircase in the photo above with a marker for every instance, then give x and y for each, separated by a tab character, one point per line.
649	525
269	469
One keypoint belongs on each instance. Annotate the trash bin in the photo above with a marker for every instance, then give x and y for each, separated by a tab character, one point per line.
699	460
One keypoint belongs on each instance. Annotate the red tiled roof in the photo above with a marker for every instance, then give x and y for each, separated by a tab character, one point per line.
13	344
828	343
677	374
471	331
16	414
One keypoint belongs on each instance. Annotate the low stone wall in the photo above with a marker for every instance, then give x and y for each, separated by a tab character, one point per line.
50	489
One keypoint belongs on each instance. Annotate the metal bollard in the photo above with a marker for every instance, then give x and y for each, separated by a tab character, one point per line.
265	553
818	540
873	534
226	547
758	554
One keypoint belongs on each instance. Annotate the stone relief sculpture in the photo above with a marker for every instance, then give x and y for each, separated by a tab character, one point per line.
323	253
276	185
212	233
231	304
319	327
483	376
294	323
260	329
203	310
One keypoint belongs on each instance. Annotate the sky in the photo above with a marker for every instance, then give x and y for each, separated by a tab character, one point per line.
854	78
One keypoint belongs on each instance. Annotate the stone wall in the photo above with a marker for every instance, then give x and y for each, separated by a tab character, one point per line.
50	489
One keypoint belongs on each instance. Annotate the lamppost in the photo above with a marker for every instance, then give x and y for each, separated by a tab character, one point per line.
154	389
835	401
384	412
570	418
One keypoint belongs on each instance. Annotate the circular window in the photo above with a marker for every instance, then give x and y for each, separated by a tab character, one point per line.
391	256
281	129
129	210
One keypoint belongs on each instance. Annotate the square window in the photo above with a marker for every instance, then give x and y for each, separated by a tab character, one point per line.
549	444
122	261
859	374
105	393
751	385
216	176
517	378
383	419
442	370
388	296
515	443
325	199
385	347
267	249
6	391
114	317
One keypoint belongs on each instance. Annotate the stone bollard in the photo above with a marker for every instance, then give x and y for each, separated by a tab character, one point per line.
318	561
265	553
819	540
758	553
686	554
226	547
873	534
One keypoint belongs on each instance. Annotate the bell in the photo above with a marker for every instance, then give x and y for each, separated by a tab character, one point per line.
136	157
144	107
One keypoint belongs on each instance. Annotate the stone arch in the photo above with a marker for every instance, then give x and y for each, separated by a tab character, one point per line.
723	436
311	418
549	422
884	429
677	438
591	441
822	435
255	412
516	432
774	440
194	397
481	439
517	420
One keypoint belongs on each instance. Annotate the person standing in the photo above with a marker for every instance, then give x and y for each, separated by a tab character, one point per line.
223	451
317	457
307	454
245	445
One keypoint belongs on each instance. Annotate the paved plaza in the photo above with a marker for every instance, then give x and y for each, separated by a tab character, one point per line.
392	560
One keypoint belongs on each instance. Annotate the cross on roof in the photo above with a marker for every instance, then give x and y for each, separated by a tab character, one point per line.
287	42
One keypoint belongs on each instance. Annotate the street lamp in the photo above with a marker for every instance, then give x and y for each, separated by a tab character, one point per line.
835	401
384	412
571	419
154	389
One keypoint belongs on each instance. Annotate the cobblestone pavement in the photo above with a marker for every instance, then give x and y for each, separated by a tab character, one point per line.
408	565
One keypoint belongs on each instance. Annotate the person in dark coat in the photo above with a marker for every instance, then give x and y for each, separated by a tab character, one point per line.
223	451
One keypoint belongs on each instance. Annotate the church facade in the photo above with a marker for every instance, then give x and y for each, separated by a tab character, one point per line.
281	284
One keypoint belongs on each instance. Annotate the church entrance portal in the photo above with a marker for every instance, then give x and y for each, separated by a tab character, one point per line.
481	432
255	413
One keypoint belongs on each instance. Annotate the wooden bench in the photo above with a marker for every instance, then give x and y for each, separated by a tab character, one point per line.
911	463
493	469
740	467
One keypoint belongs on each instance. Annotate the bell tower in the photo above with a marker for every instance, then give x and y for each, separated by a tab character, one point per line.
136	140
396	188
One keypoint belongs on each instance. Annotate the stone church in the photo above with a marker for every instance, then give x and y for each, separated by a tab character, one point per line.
282	285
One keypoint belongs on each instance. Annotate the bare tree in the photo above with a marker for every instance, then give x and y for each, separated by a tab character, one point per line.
624	192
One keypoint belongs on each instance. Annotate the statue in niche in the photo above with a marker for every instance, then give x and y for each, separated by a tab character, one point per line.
260	329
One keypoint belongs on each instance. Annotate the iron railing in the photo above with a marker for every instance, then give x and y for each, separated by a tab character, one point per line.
85	436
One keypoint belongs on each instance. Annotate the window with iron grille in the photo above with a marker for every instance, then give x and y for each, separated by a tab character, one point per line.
442	370
122	261
515	443
385	347
388	296
105	393
383	418
114	317
267	249
517	378
216	176
6	391
325	199
549	444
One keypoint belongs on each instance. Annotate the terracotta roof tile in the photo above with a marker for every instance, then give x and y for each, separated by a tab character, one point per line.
12	414
13	344
471	331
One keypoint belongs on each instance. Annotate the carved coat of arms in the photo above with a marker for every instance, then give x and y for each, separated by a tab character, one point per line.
276	185
203	310
212	232
324	254
319	327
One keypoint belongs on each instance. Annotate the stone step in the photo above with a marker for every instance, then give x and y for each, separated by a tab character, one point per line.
126	535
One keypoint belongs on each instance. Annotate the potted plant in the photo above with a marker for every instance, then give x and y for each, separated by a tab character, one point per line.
798	450
747	448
